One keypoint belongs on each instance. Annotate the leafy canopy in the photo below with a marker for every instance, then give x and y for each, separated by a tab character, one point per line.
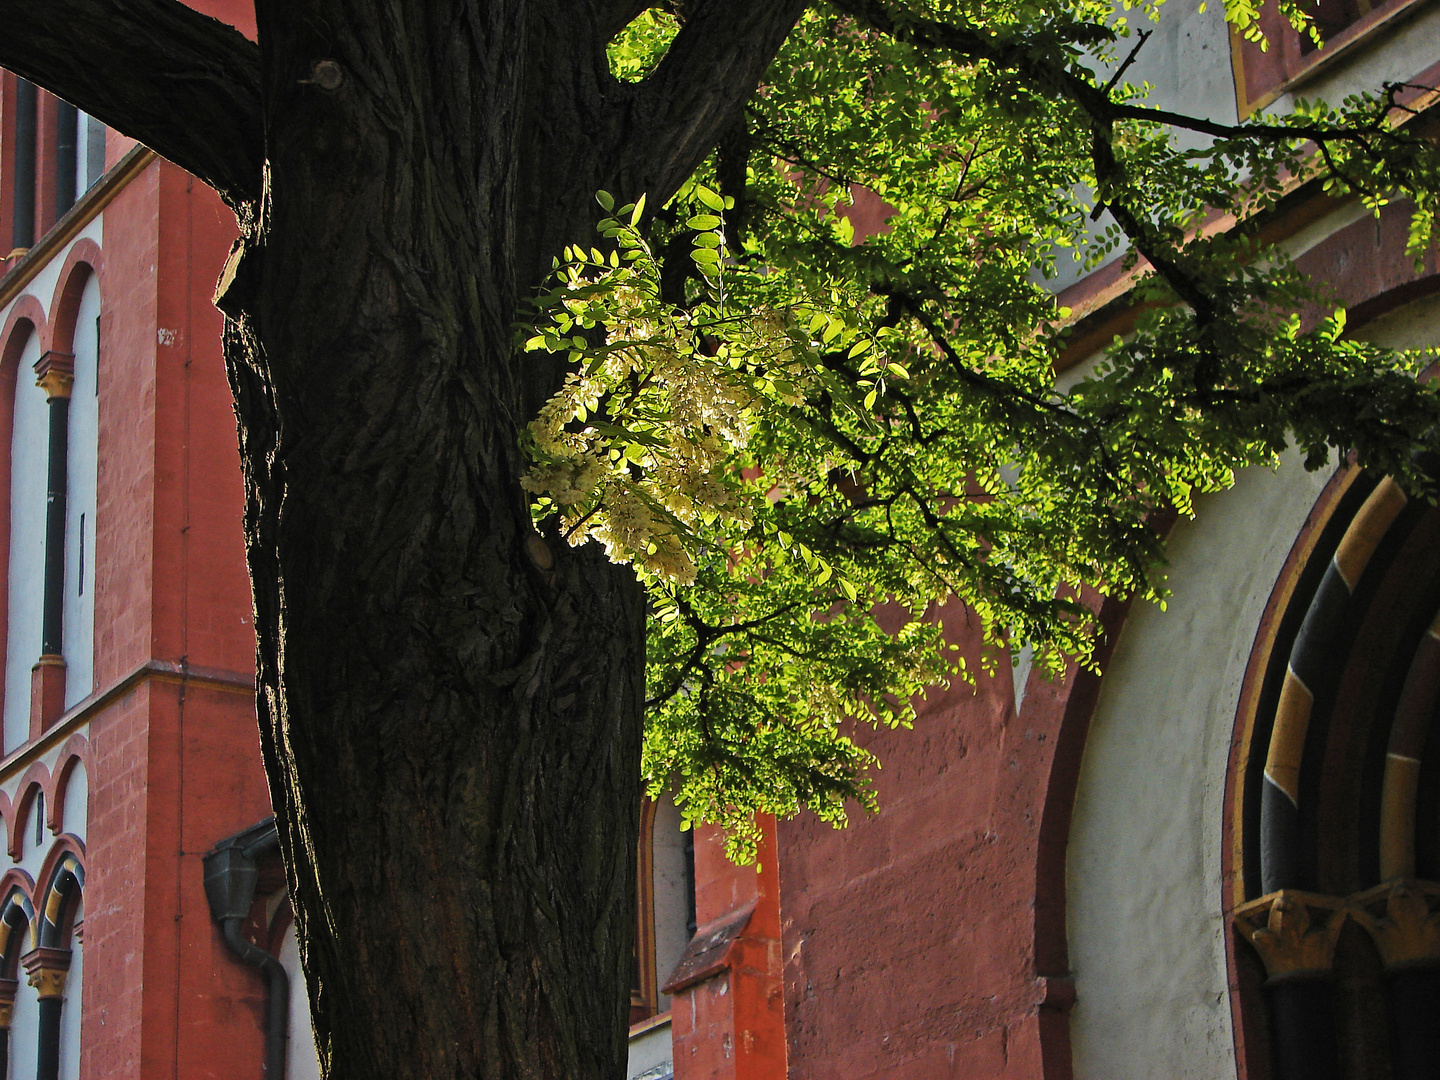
809	447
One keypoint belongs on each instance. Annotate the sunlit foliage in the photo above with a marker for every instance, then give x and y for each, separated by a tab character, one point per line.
807	446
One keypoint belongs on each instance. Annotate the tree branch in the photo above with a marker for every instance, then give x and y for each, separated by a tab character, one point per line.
699	90
184	84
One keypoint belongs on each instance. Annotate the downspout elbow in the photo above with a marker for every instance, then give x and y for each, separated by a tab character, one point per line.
277	1020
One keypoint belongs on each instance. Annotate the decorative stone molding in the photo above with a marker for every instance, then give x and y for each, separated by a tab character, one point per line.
55	373
1294	932
46	969
7	1000
1403	918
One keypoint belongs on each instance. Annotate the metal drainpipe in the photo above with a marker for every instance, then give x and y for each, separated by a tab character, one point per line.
231	871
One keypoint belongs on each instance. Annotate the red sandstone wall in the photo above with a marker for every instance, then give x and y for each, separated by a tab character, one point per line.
176	763
909	938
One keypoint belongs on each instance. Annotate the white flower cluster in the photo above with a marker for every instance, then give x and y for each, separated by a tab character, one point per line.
639	448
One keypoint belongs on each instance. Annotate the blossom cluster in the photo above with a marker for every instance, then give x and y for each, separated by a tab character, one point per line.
641	448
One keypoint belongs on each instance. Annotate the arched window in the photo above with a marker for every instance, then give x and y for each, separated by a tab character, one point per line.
1339	822
666	907
18	1003
55	968
28	475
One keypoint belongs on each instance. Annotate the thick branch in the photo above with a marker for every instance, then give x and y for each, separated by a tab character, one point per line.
184	84
699	90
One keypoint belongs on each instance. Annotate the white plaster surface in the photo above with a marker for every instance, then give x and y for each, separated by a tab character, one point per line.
32	854
1143	897
27	544
79	636
301	1060
651	1053
75	810
1186	62
1414	326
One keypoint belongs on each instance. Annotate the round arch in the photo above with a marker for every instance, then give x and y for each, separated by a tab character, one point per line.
76	751
1333	837
17	920
82	261
36	781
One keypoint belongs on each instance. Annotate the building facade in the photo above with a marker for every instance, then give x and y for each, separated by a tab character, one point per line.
1220	859
129	740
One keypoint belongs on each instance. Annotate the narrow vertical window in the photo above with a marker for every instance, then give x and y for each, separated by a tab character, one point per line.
26	109
39	818
67	138
94	151
80	567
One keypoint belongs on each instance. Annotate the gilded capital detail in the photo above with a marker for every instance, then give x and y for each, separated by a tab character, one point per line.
1403	918
55	373
46	969
1294	932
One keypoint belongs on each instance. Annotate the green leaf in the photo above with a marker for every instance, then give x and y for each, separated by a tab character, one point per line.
709	198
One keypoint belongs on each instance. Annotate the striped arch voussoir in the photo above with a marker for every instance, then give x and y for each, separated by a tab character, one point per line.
17	919
62	881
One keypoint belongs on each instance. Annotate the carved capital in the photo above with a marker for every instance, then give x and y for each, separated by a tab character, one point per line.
45	969
1294	932
55	373
7	1000
1404	919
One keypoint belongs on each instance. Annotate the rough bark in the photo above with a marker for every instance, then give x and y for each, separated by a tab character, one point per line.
450	704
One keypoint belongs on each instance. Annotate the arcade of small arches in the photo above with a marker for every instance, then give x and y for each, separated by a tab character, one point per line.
49	429
42	918
49	433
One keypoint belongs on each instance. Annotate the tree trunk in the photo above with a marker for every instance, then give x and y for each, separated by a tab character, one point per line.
451	704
